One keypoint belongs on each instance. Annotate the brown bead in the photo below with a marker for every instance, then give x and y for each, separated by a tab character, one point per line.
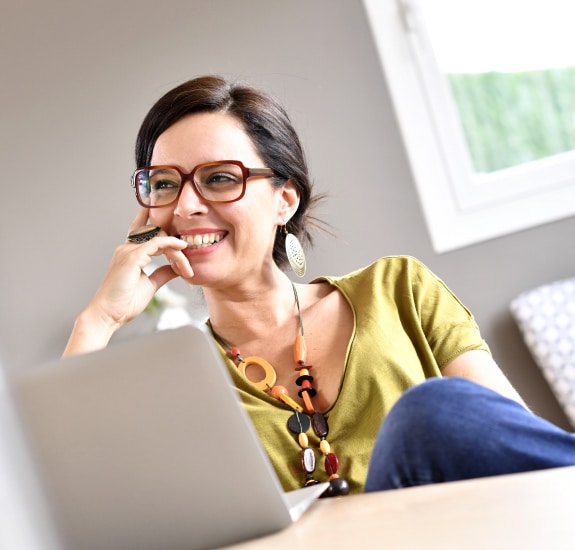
309	481
308	460
319	423
337	487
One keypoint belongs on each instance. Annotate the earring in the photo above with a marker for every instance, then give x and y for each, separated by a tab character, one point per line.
295	253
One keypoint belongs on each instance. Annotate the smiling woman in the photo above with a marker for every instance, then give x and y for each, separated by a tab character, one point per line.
221	173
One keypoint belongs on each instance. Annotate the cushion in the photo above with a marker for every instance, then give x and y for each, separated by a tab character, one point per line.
546	319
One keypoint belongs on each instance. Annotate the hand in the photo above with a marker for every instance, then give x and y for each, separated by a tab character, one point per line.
127	289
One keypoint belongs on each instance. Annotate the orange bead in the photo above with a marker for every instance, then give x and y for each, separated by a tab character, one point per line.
291	403
281	393
277	391
303	440
269	373
300	350
307	402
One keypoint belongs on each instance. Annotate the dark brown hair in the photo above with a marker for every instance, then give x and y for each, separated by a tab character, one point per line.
266	123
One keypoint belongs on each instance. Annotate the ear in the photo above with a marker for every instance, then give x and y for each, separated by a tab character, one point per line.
289	202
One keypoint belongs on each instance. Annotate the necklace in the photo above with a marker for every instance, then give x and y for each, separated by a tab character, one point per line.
303	417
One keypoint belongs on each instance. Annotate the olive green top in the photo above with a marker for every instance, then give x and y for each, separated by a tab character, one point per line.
408	326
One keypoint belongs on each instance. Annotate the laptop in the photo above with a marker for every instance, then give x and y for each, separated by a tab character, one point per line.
24	522
146	445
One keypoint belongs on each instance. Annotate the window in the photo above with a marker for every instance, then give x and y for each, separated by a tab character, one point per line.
484	92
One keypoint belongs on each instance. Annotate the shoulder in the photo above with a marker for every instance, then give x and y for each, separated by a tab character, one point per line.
403	281
386	269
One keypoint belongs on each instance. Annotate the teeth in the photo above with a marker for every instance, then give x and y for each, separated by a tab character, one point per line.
201	241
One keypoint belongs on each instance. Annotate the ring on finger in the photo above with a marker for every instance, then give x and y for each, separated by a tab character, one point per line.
143	234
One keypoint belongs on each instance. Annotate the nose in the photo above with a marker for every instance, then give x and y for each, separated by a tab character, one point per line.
190	202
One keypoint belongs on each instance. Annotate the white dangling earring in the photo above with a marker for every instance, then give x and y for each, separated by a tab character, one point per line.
295	253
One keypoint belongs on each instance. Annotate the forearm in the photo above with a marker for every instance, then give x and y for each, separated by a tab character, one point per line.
91	332
478	366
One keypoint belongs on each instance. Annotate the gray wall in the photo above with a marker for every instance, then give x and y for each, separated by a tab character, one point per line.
76	80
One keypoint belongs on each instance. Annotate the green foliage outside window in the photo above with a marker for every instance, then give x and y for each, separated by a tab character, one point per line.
513	118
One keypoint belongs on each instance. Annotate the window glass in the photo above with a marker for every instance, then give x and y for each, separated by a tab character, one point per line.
483	94
510	65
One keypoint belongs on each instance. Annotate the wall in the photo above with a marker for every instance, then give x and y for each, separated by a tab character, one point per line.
77	80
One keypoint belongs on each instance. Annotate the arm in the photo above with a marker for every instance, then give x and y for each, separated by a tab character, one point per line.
126	289
478	366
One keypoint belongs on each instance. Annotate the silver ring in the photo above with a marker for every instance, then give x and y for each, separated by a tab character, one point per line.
143	234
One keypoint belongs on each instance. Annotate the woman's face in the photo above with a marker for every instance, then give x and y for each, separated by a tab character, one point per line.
237	238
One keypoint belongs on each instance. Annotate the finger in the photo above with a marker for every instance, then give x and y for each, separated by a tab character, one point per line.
180	264
162	244
161	276
143	234
140	219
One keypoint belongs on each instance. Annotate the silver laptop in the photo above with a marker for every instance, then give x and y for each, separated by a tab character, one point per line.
145	445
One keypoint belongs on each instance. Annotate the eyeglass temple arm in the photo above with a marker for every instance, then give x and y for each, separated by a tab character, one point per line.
260	172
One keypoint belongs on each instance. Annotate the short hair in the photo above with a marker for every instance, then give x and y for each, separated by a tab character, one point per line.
266	123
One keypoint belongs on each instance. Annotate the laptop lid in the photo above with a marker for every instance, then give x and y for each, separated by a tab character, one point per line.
25	523
146	445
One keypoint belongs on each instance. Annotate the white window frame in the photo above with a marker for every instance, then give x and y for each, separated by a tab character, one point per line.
460	207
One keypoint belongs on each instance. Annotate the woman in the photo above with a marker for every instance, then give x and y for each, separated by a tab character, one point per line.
228	190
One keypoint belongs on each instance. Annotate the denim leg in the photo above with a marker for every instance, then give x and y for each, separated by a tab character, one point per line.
448	429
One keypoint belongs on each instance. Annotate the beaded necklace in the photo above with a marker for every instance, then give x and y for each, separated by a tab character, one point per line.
303	417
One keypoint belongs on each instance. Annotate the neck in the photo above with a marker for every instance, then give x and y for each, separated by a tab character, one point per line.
241	314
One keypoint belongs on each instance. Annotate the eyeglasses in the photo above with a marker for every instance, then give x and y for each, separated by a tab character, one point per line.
221	181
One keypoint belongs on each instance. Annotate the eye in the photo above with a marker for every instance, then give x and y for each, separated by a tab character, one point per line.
164	181
164	184
220	178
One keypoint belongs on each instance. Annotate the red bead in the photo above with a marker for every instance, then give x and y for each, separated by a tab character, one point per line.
302	367
235	352
331	464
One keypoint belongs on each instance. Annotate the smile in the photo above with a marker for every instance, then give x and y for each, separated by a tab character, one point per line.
201	241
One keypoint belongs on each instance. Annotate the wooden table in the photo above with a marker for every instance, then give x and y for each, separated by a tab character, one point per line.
520	511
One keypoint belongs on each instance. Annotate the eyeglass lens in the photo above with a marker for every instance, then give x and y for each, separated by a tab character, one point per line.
214	182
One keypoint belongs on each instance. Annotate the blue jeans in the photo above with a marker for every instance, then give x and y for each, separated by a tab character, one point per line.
449	429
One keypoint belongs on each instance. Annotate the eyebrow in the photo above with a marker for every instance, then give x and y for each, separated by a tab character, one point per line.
153	171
